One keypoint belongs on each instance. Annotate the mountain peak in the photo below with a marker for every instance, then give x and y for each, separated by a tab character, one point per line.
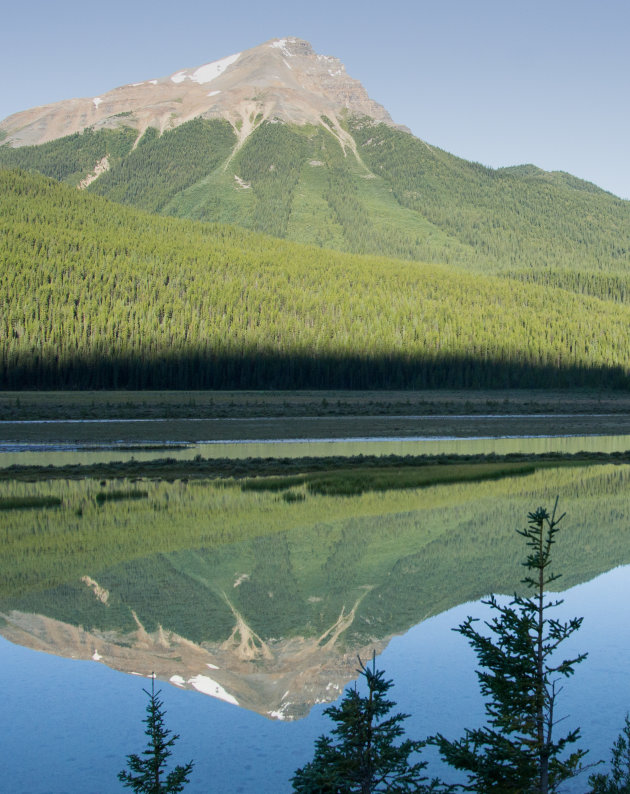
291	46
282	79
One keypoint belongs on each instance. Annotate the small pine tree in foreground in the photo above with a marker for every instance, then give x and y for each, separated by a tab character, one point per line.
361	755
618	780
146	774
516	752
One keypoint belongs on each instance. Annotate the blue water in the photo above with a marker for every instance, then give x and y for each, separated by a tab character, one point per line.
67	725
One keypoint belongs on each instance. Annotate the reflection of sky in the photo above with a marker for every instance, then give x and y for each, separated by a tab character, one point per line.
72	723
68	725
444	696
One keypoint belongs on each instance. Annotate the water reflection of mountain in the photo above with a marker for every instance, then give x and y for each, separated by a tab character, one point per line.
264	601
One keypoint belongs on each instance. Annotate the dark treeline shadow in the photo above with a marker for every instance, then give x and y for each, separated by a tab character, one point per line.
273	370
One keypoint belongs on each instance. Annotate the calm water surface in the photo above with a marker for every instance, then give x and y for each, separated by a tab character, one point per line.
72	723
64	453
268	601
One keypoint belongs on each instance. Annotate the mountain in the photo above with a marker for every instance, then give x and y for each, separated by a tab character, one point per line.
281	80
515	277
279	139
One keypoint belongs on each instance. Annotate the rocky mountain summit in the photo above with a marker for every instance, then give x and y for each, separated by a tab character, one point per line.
282	79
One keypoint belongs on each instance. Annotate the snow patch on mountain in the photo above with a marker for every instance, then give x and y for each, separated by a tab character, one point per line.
210	71
281	44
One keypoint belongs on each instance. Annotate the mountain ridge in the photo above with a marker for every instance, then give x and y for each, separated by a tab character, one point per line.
282	79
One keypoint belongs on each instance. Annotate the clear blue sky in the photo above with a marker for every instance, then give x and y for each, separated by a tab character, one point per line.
497	81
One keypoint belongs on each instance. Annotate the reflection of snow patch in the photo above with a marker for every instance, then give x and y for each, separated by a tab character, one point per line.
213	93
211	666
153	82
204	74
177	680
135	85
97	101
280	715
96	656
209	687
179	77
287	64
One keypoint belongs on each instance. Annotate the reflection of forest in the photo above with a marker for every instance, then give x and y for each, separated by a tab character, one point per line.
389	436
262	582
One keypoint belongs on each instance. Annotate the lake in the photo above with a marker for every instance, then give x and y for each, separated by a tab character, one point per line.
265	598
61	453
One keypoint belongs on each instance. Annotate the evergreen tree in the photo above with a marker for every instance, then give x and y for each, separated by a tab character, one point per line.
361	755
618	781
516	751
146	774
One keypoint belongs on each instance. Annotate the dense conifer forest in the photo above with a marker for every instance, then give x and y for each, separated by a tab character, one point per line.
378	191
99	295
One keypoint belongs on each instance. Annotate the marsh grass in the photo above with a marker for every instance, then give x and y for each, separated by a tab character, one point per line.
275	470
24	405
273	483
117	496
28	502
354	482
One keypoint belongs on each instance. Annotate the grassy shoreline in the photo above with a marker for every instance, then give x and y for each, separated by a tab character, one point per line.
42	405
432	469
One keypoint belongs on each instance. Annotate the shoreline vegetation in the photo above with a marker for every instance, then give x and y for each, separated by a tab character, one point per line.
364	472
120	404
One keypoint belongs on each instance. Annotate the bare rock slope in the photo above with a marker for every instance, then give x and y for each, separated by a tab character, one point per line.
283	79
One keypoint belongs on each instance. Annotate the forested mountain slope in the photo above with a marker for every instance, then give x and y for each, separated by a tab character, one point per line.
95	294
385	193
